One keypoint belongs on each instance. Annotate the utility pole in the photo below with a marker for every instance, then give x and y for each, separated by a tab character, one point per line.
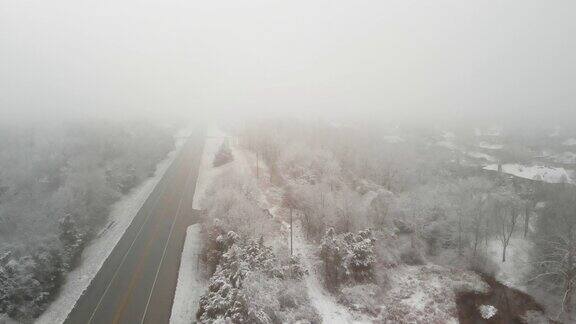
257	166
291	230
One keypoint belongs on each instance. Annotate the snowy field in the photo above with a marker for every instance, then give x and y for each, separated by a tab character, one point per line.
190	285
97	251
536	172
512	272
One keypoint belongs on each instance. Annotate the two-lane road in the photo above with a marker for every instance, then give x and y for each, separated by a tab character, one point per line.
136	284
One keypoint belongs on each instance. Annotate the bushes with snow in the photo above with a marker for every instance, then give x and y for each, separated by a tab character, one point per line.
28	281
347	257
223	156
252	285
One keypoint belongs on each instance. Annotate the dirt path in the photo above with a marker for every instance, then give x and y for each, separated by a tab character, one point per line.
328	308
330	311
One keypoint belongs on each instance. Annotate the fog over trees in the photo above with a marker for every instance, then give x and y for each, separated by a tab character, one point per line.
57	187
343	161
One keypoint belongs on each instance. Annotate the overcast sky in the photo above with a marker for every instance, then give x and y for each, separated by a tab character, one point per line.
423	60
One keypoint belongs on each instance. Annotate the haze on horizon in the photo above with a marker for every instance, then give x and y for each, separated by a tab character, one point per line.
378	60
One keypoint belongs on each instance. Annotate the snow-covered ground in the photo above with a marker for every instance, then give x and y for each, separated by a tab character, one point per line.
328	309
214	139
325	304
479	155
190	285
536	172
97	251
4	319
393	139
564	158
512	272
490	131
447	144
426	294
489	146
570	142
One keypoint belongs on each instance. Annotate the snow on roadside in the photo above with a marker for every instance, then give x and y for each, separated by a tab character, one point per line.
190	284
207	172
536	172
95	254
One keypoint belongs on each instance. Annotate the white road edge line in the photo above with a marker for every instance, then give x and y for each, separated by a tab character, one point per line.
186	188
127	252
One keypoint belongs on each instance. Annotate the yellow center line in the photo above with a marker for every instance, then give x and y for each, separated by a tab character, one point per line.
168	200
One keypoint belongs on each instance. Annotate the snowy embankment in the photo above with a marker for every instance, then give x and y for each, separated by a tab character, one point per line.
190	285
95	254
536	172
207	172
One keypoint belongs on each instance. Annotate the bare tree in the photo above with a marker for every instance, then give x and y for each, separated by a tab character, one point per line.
505	208
554	253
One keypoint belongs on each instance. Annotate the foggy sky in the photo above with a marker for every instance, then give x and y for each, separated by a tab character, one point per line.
424	60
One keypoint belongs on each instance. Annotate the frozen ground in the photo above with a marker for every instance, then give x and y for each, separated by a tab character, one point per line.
190	283
479	155
490	131
537	172
325	304
489	146
447	144
512	272
565	158
4	319
393	139
570	142
214	138
426	294
330	311
97	251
